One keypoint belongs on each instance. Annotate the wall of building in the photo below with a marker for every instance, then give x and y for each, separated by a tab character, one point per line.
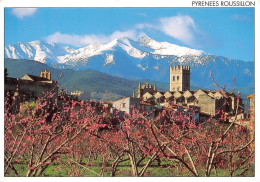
30	90
220	104
126	103
252	107
179	78
186	79
207	104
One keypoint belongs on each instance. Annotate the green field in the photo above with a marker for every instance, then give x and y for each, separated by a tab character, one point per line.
165	169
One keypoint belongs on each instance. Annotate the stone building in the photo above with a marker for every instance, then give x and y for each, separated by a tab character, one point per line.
210	102
141	90
203	99
31	87
127	104
251	124
252	107
179	78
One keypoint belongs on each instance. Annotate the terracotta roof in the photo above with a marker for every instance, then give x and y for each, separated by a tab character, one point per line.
252	95
145	103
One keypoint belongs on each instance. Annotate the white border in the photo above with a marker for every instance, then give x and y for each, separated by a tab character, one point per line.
120	3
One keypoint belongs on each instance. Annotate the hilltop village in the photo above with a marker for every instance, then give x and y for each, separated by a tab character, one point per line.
201	104
198	104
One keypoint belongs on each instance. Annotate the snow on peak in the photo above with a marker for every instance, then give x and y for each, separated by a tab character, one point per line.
109	59
144	40
36	50
49	52
165	48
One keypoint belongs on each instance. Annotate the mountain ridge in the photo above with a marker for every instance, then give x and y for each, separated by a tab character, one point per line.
96	85
142	59
139	49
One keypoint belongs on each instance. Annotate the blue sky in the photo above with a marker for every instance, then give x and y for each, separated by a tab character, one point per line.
226	32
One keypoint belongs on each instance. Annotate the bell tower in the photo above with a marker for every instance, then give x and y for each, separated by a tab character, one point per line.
45	74
179	78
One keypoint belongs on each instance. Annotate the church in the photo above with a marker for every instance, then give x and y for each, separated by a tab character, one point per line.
30	87
207	101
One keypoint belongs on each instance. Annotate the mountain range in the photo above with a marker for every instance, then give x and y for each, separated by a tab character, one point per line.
139	59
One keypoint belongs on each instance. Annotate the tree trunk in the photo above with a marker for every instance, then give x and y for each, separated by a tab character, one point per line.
133	165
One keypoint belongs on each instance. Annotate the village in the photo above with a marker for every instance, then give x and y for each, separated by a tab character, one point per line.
123	128
199	105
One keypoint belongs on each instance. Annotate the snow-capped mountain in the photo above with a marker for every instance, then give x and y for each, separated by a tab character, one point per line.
141	59
167	49
36	50
42	51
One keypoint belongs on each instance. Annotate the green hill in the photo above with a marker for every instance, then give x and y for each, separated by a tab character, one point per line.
96	85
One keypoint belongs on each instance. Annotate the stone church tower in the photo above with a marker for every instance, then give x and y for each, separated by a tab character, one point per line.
179	78
46	74
141	90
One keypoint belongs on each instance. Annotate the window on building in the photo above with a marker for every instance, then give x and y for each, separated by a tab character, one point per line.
173	78
123	105
177	77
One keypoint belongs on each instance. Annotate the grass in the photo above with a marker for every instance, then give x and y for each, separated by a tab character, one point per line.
166	169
